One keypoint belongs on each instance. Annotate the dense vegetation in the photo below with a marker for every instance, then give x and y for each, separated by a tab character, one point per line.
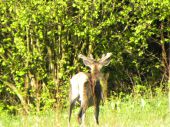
41	39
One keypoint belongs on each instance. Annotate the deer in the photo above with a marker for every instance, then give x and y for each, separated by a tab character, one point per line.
86	87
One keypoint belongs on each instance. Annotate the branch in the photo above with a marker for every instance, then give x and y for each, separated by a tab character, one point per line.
18	93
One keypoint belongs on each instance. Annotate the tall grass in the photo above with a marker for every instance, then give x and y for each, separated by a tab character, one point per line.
126	112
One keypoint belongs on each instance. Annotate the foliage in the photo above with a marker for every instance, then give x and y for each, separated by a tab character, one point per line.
40	41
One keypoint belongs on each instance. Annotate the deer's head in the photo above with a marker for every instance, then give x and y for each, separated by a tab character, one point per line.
96	65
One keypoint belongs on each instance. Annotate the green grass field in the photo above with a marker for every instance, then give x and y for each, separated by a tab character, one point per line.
130	112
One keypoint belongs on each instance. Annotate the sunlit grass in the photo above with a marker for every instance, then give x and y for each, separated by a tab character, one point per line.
131	112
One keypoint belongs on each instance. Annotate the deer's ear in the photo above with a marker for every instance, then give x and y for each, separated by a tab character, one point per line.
105	60
87	61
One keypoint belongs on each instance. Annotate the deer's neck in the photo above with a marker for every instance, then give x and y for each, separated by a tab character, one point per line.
96	88
94	78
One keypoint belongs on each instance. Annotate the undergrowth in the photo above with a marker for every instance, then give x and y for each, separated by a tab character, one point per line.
128	111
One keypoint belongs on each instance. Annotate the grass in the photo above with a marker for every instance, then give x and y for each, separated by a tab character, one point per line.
127	112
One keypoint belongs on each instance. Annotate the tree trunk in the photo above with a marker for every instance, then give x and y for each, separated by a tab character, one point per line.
164	54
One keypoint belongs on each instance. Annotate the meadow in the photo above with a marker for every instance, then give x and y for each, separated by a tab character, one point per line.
125	112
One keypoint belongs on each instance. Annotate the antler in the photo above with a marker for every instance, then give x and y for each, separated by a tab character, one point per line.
90	59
